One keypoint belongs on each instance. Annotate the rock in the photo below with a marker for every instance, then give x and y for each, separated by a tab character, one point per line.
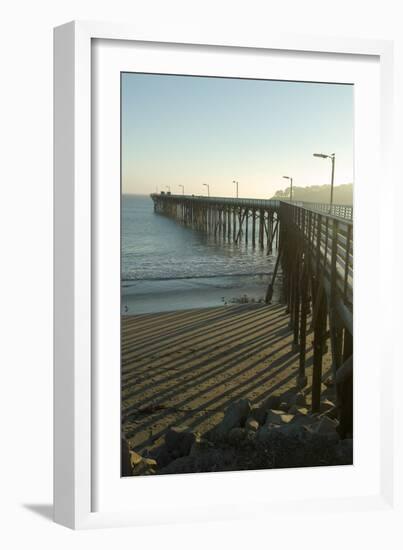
303	418
278	417
182	465
252	424
325	426
236	435
272	402
344	451
264	435
259	414
135	459
146	466
200	446
179	440
250	437
326	406
126	466
295	409
234	417
163	456
298	399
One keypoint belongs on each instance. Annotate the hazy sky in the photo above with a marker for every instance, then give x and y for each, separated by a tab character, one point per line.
194	130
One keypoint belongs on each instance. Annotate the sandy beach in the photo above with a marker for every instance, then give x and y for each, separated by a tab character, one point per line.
186	367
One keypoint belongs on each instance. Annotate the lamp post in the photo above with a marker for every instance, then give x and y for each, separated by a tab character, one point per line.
208	188
332	157
183	189
288	178
236	183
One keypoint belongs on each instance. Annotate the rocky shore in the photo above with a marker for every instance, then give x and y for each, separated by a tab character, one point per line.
281	432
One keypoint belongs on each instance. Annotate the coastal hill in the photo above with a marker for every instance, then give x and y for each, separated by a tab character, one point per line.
342	194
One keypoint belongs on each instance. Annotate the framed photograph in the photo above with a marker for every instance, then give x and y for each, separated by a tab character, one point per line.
216	250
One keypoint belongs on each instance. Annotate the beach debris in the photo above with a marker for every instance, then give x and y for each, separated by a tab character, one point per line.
234	417
179	440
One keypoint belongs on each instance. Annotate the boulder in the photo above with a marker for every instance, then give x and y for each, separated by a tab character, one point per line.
325	426
200	446
146	466
259	414
179	440
252	424
236	435
298	399
135	459
264	435
162	456
344	450
272	402
235	417
295	409
302	418
126	466
182	465
326	405
278	417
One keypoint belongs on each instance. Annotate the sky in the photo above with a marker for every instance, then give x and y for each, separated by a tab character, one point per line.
185	130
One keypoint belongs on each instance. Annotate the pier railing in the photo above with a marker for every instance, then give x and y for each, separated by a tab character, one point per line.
338	210
201	199
316	251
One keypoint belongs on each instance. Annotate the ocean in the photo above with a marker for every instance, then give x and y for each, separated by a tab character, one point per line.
167	266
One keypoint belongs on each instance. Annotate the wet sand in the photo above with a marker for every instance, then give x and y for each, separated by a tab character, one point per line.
186	367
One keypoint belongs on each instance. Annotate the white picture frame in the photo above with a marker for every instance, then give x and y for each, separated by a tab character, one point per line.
76	472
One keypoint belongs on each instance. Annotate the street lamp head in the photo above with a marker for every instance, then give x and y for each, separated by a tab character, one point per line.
286	177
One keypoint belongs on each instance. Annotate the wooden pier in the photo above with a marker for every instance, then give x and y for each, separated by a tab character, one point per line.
314	247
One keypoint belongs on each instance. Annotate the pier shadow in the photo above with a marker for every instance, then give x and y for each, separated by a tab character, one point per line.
187	369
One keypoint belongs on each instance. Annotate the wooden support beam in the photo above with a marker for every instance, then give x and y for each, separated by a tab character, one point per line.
240	226
270	288
318	347
304	314
273	234
253	227
295	345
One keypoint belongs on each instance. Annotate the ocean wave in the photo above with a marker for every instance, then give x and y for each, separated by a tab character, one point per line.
126	278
